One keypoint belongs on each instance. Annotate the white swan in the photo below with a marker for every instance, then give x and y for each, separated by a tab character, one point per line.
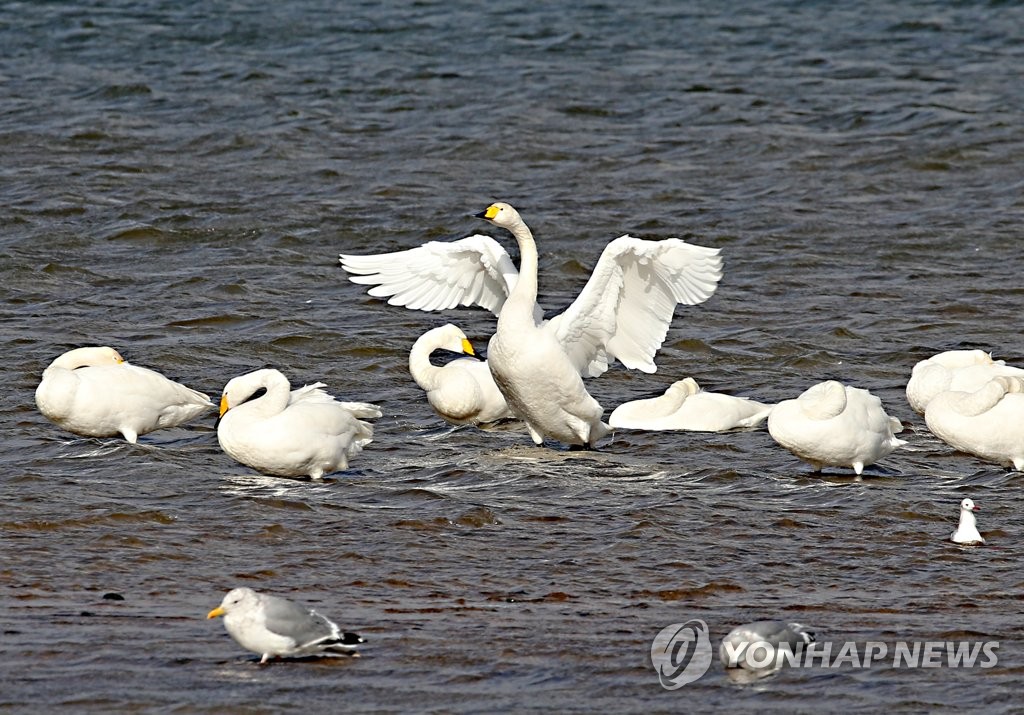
93	391
461	392
623	312
958	370
967	529
834	425
290	433
277	627
530	365
988	422
739	649
685	406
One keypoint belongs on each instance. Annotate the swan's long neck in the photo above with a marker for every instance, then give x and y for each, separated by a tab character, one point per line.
426	374
524	296
278	393
983	399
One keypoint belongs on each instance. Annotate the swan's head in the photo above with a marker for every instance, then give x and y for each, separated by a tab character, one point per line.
242	388
447	337
686	386
501	214
968	505
88	357
954	359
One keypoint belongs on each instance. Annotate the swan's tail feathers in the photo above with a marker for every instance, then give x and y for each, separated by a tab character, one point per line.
362	410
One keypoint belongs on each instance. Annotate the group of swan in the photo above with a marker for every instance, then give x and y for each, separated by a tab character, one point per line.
93	391
623	313
535	367
535	370
973	403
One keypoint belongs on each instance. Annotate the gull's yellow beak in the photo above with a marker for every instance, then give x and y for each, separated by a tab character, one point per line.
218	611
467	348
224	407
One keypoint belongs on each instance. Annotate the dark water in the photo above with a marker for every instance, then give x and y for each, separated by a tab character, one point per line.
177	179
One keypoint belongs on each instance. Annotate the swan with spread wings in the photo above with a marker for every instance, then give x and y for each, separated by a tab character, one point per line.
623	313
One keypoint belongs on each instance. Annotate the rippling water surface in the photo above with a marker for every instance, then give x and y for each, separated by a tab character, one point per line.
177	181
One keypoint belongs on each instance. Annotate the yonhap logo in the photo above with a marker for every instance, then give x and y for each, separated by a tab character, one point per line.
681	653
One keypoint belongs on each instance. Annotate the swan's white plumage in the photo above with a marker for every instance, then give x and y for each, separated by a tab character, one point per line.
290	433
955	370
623	312
988	422
685	406
835	425
462	391
435	276
93	391
967	529
531	367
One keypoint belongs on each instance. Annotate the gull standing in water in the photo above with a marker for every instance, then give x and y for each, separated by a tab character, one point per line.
276	627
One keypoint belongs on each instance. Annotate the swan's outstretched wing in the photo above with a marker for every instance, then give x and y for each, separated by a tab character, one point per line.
439	275
625	309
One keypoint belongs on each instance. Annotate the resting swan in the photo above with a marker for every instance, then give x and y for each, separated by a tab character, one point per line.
463	391
93	391
290	433
988	422
957	370
685	406
623	312
835	425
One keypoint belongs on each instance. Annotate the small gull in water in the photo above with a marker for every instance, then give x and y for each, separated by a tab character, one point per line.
967	530
277	627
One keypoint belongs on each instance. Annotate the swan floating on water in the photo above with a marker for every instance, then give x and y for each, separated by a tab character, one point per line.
988	422
463	391
835	425
685	406
290	433
956	370
93	391
967	530
277	627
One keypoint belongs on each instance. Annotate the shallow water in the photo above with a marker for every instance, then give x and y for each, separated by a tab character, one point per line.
178	179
